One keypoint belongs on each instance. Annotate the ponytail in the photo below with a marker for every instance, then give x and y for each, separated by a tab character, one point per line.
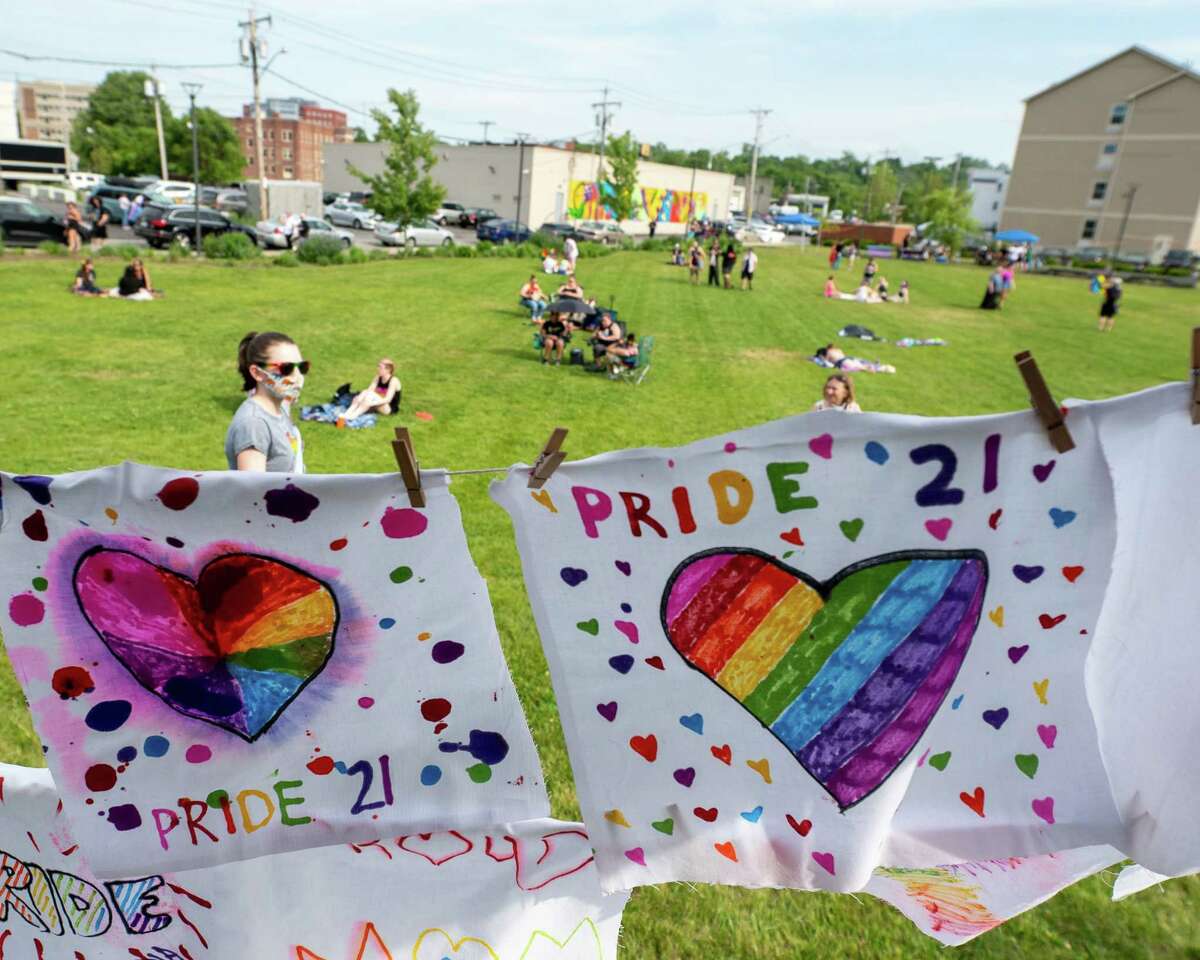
252	351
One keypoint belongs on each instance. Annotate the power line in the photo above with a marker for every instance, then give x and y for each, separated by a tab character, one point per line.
113	63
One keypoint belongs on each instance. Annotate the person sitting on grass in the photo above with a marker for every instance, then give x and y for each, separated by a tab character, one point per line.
838	394
831	288
534	298
550	262
135	283
85	280
902	293
555	333
881	290
608	334
381	397
622	355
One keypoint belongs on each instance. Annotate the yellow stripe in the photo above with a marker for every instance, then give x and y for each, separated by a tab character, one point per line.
771	639
310	616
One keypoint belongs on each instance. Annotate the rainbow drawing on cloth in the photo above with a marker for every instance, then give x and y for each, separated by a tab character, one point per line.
847	674
233	648
952	906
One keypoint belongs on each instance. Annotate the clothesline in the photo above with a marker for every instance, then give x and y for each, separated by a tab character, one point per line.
460	473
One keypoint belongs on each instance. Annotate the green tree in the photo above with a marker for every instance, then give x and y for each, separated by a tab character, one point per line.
221	159
950	213
622	157
360	135
404	191
883	190
115	134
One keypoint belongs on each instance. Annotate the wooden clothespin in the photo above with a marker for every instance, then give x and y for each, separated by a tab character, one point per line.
1195	374
410	470
1043	403
548	460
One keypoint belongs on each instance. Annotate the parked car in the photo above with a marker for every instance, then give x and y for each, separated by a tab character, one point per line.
1092	256
347	213
360	196
835	216
759	231
503	231
1178	259
225	199
473	216
269	233
23	222
81	180
161	225
600	231
561	231
110	195
449	211
173	191
1054	255
1138	261
423	234
329	198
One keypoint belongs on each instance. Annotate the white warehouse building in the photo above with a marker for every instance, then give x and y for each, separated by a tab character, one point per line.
555	184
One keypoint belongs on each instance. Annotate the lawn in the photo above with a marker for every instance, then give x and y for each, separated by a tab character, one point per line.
91	382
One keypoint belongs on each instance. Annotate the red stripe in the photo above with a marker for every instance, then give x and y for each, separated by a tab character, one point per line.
710	602
749	609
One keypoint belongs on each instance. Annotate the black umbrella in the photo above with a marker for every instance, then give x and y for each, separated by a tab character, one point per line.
571	305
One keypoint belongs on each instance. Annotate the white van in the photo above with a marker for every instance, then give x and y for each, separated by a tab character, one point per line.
172	191
783	209
82	180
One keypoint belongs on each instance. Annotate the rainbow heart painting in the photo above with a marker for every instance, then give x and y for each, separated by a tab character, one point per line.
232	648
847	673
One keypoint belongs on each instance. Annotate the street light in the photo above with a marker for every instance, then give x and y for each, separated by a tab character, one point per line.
191	89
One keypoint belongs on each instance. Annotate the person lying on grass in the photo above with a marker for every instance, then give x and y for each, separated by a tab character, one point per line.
381	397
555	333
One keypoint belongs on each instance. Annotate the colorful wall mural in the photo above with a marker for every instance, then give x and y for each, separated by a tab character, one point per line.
589	200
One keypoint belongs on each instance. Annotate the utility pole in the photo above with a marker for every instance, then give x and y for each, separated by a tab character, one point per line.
521	138
759	115
957	164
485	124
191	89
602	123
1129	195
153	92
692	197
252	54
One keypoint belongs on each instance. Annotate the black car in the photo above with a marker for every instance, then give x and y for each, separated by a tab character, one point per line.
474	216
1180	258
161	225
110	194
23	222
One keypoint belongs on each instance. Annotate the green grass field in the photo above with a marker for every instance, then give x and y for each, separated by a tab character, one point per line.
92	382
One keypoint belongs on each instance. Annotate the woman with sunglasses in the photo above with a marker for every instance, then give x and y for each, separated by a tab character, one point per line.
262	436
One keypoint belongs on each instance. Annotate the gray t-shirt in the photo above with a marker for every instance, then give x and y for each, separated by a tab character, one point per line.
277	438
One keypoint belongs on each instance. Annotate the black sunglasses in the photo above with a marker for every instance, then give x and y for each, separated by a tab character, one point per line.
286	369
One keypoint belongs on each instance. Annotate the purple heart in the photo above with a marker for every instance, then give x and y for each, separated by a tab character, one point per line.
1027	574
572	576
623	566
607	710
685	776
622	663
1043	470
996	717
1016	653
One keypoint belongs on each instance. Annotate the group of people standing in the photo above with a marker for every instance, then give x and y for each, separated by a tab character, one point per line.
721	264
847	251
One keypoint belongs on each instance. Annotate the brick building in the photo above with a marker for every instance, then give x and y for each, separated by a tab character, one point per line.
294	134
47	108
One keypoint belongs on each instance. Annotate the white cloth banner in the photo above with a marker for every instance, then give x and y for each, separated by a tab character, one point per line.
1145	660
522	891
957	902
1134	879
225	665
789	654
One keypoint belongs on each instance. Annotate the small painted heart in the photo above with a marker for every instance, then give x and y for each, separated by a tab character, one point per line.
822	446
939	529
607	710
1044	808
726	850
622	663
637	855
646	747
974	800
997	616
707	814
572	576
995	718
589	626
1061	518
1027	574
1048	622
1016	653
1027	763
666	825
724	753
851	528
793	537
846	674
623	566
751	816
1048	733
994	519
825	862
693	722
685	776
1043	470
802	827
939	760
1072	573
656	662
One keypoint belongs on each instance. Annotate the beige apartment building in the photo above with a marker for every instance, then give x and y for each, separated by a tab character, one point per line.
47	108
1117	143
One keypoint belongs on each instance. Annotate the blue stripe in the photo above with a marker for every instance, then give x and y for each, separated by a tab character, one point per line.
901	608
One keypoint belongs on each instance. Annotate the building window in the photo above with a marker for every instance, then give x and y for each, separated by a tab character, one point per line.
995	204
287	135
287	173
1089	230
249	141
1117	117
270	134
1099	189
250	160
287	153
1110	149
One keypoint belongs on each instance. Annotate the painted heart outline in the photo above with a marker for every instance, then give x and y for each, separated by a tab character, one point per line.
846	673
232	648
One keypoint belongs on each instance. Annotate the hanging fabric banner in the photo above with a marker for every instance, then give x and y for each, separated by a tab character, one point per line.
960	901
526	890
790	654
225	665
1145	660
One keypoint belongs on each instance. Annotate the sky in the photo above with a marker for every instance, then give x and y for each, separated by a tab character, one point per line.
906	78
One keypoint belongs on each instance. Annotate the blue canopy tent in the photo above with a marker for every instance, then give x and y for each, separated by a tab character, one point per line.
801	218
1017	236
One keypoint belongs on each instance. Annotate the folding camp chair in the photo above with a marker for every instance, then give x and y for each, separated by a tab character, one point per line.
637	373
